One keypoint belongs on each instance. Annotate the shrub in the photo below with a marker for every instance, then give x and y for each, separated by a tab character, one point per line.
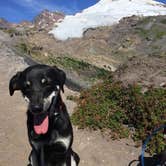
113	107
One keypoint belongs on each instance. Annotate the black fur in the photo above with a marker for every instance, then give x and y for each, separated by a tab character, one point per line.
37	83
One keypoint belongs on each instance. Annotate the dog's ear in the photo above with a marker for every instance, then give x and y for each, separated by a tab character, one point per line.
60	77
14	83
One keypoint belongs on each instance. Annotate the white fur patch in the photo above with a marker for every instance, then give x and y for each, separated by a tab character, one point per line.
73	162
56	113
31	161
58	87
26	99
43	80
48	100
64	140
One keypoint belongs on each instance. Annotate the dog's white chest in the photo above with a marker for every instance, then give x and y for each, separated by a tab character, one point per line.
65	141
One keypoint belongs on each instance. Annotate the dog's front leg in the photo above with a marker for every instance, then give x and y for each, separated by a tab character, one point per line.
42	161
33	159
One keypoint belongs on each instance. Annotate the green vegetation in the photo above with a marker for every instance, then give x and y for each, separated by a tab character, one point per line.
154	33
23	48
111	106
82	68
149	28
163	21
10	31
71	97
87	71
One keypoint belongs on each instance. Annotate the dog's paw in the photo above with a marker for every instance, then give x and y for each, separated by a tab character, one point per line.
29	165
76	157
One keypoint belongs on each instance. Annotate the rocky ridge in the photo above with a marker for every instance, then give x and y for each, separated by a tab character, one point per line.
46	19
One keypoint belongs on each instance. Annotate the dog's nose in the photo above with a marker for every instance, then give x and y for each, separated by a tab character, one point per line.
36	108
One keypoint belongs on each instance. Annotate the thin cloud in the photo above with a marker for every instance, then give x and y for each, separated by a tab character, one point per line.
8	12
36	6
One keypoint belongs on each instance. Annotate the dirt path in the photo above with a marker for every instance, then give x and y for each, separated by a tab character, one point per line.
13	141
94	150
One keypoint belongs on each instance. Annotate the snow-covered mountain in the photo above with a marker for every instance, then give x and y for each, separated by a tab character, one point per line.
104	13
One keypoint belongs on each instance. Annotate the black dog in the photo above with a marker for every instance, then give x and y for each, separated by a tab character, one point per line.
49	128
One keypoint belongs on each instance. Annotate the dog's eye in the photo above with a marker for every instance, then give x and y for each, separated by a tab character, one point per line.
28	83
57	86
43	80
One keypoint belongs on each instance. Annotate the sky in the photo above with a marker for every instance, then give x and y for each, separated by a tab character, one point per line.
18	10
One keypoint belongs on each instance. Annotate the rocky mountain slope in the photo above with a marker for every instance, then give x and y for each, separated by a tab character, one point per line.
133	39
46	19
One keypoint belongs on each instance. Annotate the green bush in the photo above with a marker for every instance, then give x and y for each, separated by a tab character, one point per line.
111	106
155	32
81	67
89	72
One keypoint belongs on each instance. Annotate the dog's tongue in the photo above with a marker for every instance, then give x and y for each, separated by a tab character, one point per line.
41	128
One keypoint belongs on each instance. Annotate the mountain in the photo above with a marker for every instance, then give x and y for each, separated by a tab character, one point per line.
42	22
4	24
105	13
46	19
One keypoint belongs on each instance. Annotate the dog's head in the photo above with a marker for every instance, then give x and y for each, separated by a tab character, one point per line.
39	84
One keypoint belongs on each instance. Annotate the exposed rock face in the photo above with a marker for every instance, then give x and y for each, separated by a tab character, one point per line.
144	71
46	19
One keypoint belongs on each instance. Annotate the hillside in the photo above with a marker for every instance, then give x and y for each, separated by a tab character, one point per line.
101	48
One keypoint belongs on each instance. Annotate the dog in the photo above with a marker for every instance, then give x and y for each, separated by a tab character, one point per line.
49	128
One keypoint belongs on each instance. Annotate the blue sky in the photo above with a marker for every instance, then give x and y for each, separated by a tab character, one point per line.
18	10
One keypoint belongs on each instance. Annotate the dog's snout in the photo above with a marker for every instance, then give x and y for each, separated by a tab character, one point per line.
36	108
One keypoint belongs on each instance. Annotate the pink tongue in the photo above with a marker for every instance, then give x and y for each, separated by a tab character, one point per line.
43	127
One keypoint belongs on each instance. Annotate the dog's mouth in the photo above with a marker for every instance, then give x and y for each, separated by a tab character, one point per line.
41	123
